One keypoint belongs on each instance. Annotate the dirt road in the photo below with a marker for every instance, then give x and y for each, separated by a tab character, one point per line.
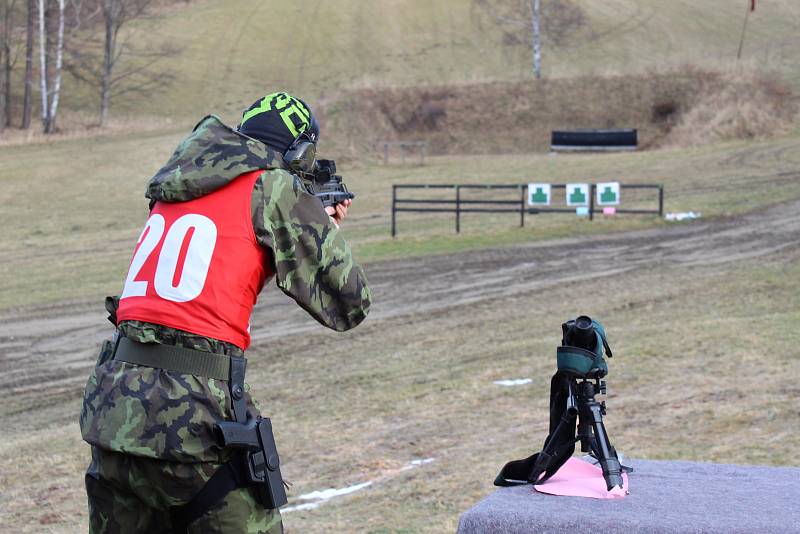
46	352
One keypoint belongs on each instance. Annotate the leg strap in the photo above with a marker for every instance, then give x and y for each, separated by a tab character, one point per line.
230	476
227	478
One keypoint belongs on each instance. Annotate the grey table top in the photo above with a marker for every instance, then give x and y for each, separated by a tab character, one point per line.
665	496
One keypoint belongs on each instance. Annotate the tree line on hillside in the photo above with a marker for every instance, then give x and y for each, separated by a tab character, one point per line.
47	38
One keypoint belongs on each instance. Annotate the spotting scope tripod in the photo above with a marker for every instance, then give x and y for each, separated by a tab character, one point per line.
560	444
581	369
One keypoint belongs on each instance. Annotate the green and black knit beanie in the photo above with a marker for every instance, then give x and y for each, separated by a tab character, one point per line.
277	120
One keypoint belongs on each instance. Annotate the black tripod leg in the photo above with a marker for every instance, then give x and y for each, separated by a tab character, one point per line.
612	471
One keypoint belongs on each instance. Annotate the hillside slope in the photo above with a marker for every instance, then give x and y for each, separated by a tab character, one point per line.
235	50
683	107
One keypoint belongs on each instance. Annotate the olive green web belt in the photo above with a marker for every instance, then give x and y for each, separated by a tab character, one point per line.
171	358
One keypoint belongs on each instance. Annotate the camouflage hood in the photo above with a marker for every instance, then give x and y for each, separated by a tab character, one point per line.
209	158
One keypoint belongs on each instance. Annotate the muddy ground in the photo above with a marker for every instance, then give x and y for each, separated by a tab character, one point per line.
46	352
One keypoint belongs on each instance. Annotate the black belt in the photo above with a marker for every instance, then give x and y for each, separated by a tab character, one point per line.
172	358
192	362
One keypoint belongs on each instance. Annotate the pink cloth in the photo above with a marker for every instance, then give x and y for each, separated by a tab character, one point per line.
577	478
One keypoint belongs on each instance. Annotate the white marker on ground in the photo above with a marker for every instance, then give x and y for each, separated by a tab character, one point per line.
298	507
324	495
417	463
321	496
683	216
516	382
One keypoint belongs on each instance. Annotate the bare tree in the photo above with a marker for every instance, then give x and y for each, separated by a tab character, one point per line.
530	22
27	101
112	16
56	92
43	62
536	39
7	8
68	32
116	14
121	63
50	68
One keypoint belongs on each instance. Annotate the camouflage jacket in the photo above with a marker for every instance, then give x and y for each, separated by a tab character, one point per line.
167	415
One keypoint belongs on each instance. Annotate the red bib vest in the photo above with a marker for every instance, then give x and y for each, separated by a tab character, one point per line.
197	266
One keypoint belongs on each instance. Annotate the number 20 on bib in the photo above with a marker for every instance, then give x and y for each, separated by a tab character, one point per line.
182	258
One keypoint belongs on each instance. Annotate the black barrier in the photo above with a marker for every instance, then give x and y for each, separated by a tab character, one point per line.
458	205
594	140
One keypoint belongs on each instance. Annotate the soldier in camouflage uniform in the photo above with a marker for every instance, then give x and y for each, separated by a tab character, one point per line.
151	429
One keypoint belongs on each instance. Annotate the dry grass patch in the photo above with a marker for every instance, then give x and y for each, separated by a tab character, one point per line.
735	105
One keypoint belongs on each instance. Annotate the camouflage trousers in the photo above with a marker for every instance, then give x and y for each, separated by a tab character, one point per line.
132	494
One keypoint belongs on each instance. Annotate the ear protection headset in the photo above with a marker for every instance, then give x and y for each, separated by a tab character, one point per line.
302	153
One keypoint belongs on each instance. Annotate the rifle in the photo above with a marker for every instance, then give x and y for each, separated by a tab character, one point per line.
327	185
